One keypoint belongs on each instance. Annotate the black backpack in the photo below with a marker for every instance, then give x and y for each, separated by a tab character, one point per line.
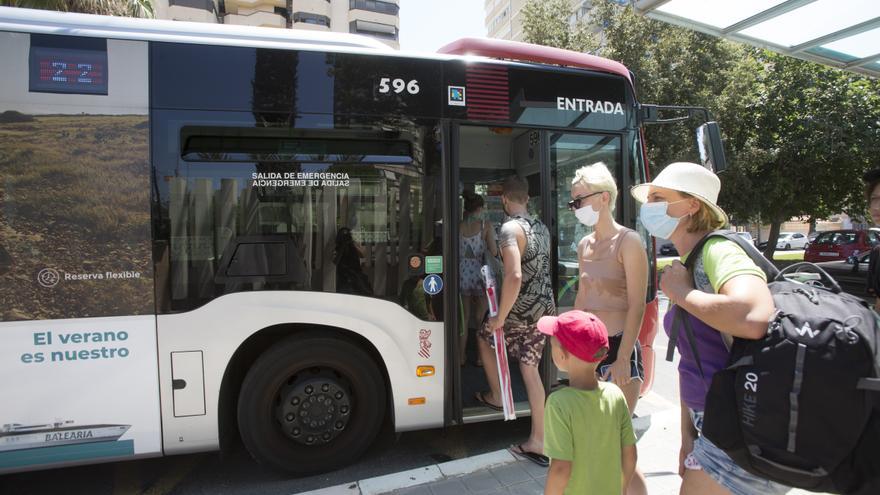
799	406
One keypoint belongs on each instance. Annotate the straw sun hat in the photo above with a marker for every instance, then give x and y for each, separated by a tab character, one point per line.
696	180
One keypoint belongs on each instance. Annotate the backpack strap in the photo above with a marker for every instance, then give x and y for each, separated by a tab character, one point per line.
682	319
673	334
751	251
681	316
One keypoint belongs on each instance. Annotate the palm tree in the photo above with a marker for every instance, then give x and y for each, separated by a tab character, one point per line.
125	8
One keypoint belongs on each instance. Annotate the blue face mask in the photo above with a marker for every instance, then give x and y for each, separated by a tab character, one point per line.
655	219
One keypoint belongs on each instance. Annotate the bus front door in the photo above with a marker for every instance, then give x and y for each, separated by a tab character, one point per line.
482	158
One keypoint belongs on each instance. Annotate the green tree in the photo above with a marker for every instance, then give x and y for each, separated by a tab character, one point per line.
124	8
798	136
800	139
548	23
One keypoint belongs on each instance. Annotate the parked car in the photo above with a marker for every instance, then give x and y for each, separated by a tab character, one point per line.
668	249
835	245
791	240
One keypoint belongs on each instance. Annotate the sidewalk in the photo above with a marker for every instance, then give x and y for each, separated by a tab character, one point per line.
502	473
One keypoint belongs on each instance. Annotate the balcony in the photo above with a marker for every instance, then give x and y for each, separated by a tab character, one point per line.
319	7
259	18
375	29
234	6
192	10
377	6
308	20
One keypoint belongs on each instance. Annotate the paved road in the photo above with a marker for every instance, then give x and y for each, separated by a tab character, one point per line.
235	472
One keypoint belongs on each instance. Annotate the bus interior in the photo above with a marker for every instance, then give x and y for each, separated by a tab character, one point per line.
486	156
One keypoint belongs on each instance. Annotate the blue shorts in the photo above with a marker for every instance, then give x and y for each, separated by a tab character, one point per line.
721	468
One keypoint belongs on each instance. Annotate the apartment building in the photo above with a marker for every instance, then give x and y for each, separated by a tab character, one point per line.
504	17
377	18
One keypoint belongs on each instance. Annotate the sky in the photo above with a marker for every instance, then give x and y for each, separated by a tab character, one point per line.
426	25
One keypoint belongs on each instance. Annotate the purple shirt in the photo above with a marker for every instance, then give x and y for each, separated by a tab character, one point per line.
713	357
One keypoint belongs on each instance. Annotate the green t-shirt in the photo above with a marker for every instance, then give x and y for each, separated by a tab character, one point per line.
720	261
589	428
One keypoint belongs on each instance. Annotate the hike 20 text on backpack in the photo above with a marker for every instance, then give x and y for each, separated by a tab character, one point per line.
800	406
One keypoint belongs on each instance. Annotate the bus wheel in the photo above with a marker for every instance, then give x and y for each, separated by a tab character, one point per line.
311	404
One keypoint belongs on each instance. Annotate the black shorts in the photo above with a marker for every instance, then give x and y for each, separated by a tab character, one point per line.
637	370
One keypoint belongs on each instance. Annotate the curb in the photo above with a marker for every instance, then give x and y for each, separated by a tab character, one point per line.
419	476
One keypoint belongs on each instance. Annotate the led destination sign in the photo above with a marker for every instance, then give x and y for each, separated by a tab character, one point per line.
77	70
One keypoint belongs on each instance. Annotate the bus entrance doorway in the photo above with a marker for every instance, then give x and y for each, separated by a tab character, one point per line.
486	156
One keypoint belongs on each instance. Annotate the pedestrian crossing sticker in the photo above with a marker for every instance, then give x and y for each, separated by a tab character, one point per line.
432	284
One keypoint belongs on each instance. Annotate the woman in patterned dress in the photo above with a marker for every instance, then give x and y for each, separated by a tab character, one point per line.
476	237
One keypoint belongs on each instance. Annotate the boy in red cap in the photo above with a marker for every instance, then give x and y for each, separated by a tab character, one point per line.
588	432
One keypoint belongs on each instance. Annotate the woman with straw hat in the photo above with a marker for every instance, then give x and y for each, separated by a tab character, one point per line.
726	296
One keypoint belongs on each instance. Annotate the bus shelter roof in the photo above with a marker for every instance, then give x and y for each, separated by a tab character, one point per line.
840	33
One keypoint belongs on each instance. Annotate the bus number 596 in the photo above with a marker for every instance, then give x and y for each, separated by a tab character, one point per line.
398	85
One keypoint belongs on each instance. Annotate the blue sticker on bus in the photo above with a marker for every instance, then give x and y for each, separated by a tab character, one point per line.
432	284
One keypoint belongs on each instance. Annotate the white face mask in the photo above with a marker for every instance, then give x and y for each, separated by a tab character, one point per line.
587	215
657	221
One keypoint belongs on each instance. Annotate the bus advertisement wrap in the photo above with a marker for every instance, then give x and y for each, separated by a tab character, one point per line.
78	321
98	391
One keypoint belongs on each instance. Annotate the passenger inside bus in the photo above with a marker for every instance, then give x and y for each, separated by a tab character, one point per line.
477	246
487	157
350	276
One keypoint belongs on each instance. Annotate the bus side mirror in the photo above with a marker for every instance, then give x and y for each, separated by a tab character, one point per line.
711	147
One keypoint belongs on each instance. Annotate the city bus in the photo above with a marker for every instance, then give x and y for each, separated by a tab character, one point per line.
215	233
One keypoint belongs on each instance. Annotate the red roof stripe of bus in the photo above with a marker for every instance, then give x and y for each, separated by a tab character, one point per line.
514	50
487	92
488	83
472	69
488	77
498	100
485	73
489	105
472	110
486	116
494	88
489	95
482	72
476	114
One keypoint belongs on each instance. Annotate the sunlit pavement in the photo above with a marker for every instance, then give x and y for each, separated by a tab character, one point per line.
657	424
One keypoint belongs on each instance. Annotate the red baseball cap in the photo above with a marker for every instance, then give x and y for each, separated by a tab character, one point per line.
579	332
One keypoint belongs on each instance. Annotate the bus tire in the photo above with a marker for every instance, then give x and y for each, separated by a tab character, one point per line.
311	404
